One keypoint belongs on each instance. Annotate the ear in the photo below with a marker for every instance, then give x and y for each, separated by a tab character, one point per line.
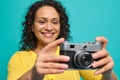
32	28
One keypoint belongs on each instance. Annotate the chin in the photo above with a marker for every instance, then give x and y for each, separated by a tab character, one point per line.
47	41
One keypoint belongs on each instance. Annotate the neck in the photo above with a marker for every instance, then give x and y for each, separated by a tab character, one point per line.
38	48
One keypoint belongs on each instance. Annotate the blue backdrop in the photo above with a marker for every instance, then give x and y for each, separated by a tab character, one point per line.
88	19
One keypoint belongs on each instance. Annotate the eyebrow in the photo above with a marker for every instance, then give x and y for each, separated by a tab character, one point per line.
46	18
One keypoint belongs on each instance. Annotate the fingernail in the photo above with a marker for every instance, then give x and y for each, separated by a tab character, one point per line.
94	56
96	73
67	58
65	66
93	65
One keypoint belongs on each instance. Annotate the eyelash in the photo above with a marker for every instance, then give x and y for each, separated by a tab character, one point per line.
56	22
43	22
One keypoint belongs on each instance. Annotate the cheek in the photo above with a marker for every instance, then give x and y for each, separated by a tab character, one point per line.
58	28
36	30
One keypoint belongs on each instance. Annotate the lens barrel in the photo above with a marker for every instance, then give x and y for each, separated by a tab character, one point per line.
83	59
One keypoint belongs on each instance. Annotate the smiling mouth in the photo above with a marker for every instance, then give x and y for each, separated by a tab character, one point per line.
47	35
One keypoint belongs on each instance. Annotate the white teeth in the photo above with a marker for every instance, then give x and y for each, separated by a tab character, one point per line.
48	35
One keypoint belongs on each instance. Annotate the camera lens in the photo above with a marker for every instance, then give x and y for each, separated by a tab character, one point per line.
84	60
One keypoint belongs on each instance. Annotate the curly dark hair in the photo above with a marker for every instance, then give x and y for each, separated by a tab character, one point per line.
28	39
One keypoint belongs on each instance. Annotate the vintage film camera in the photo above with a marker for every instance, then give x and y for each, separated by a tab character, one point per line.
80	54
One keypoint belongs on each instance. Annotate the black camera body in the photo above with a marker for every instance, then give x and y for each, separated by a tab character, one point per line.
80	54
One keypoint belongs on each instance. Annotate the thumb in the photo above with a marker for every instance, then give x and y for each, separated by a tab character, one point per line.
53	44
103	40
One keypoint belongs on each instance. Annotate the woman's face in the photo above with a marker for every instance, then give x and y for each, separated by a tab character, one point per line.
46	25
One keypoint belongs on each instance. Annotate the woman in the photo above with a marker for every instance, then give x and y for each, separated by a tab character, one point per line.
45	27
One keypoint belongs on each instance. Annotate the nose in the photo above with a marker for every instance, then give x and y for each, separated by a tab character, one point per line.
49	27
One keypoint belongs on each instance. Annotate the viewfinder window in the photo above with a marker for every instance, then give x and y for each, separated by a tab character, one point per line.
72	46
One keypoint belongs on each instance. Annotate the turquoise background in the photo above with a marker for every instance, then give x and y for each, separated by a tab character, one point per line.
88	19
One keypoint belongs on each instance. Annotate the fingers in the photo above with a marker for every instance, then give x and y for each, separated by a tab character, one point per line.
53	58
106	63
100	54
102	62
50	71
107	67
51	65
47	63
53	44
103	40
50	68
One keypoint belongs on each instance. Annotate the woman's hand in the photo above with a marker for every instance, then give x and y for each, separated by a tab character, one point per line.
105	59
47	62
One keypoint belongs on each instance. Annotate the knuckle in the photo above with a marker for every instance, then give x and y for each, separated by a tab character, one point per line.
110	58
112	64
37	64
50	71
50	65
105	68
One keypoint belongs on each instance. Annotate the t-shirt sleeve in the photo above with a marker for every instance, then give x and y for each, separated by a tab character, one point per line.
89	75
16	67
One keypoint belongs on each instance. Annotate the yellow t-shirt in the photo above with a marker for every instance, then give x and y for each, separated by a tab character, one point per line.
23	61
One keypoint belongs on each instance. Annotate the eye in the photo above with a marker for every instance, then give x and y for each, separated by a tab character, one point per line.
55	22
42	22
